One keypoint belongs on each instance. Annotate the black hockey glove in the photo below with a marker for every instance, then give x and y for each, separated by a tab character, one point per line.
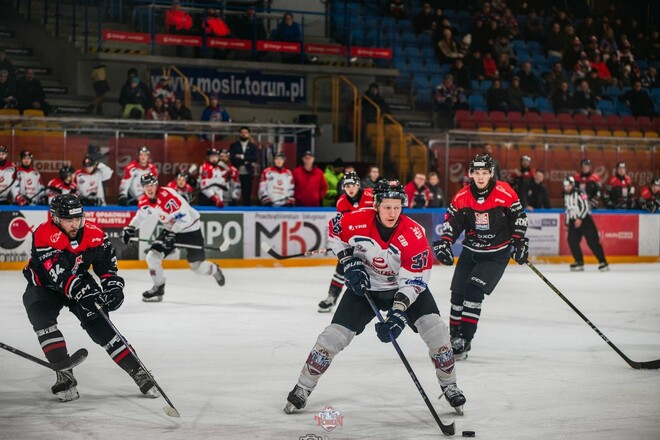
127	233
122	201
84	290
165	242
357	278
395	323
113	291
520	250
443	252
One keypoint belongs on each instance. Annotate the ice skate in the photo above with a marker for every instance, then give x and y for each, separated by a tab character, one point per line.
155	294
147	386
604	267
328	304
65	386
296	400
460	346
454	396
577	267
219	277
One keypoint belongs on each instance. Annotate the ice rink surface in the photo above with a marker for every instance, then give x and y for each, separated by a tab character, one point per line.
227	357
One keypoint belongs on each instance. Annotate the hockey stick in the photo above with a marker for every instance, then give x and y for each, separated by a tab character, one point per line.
222	248
73	361
169	410
446	429
649	365
270	251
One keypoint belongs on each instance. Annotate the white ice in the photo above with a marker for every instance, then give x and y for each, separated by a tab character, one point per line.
227	357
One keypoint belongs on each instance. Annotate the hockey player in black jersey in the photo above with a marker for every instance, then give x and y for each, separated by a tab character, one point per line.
63	250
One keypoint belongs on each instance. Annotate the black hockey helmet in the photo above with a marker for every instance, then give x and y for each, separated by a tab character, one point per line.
569	180
656	182
213	151
279	154
350	178
3	149
66	206
585	162
389	189
148	179
143	149
482	162
88	161
26	153
66	171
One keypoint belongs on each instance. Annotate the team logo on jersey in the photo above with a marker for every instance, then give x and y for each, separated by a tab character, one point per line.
329	418
318	361
336	224
76	265
481	221
444	359
379	263
55	237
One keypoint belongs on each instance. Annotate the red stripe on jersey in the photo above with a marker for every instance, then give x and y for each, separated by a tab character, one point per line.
470	320
50	347
336	284
66	287
121	355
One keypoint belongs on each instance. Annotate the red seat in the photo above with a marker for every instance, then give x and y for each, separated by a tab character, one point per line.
480	116
645	124
629	123
614	122
497	117
514	117
462	115
583	122
466	125
599	122
566	121
533	120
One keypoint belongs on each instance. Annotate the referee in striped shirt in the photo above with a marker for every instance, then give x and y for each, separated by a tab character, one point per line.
580	223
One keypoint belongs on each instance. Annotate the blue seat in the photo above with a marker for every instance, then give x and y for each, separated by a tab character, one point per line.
416	66
432	67
642	64
450	14
428	53
436	80
534	46
477	102
519	45
528	101
543	104
409	39
655	94
424	39
622	109
612	91
606	107
421	82
464	15
412	52
424	95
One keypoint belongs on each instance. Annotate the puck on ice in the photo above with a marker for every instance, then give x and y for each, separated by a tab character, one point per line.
468	434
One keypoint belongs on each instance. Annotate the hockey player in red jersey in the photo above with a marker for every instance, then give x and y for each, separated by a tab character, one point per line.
619	191
649	197
7	176
28	188
387	254
89	181
181	186
212	183
495	223
352	199
276	185
130	189
63	250
63	184
180	223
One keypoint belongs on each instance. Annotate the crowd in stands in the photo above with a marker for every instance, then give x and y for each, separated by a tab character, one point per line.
20	92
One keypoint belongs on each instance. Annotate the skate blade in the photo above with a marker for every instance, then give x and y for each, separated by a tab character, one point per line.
322	310
170	411
459	410
290	409
219	278
153	299
577	269
604	269
68	395
152	393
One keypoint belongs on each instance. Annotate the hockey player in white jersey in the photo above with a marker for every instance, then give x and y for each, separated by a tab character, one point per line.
7	176
28	188
181	225
386	254
89	181
130	188
276	185
213	182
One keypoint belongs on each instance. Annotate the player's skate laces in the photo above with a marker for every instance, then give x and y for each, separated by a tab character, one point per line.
460	346
454	396
155	294
219	276
65	386
143	380
603	267
296	400
327	304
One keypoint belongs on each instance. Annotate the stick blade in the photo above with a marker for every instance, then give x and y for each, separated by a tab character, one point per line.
448	430
650	365
224	246
74	360
171	411
265	247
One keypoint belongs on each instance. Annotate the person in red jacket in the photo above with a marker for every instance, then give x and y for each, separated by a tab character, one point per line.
649	199
619	191
177	20
309	182
418	193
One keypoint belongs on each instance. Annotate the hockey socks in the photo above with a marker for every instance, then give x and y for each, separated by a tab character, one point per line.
53	344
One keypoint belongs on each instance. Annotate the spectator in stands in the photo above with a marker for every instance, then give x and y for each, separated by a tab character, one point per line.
243	155
287	29
625	54
480	35
515	95
619	191
585	101
248	26
562	99
595	84
214	25
587	28
599	66
490	68
522	178
177	21
503	46
157	112
571	55
309	183
7	65
475	65
368	109
504	67
509	24
447	49
533	29
654	45
333	175
497	98
461	74
626	78
650	79
424	22
7	91
494	32
554	41
30	94
638	100
179	112
164	90
101	87
214	112
433	184
486	13
126	93
447	99
537	196
608	42
614	66
554	78
591	46
135	99
418	193
649	199
529	82
396	9
370	180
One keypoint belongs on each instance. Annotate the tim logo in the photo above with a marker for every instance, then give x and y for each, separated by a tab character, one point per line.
318	361
296	236
329	418
481	222
379	263
76	265
171	206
